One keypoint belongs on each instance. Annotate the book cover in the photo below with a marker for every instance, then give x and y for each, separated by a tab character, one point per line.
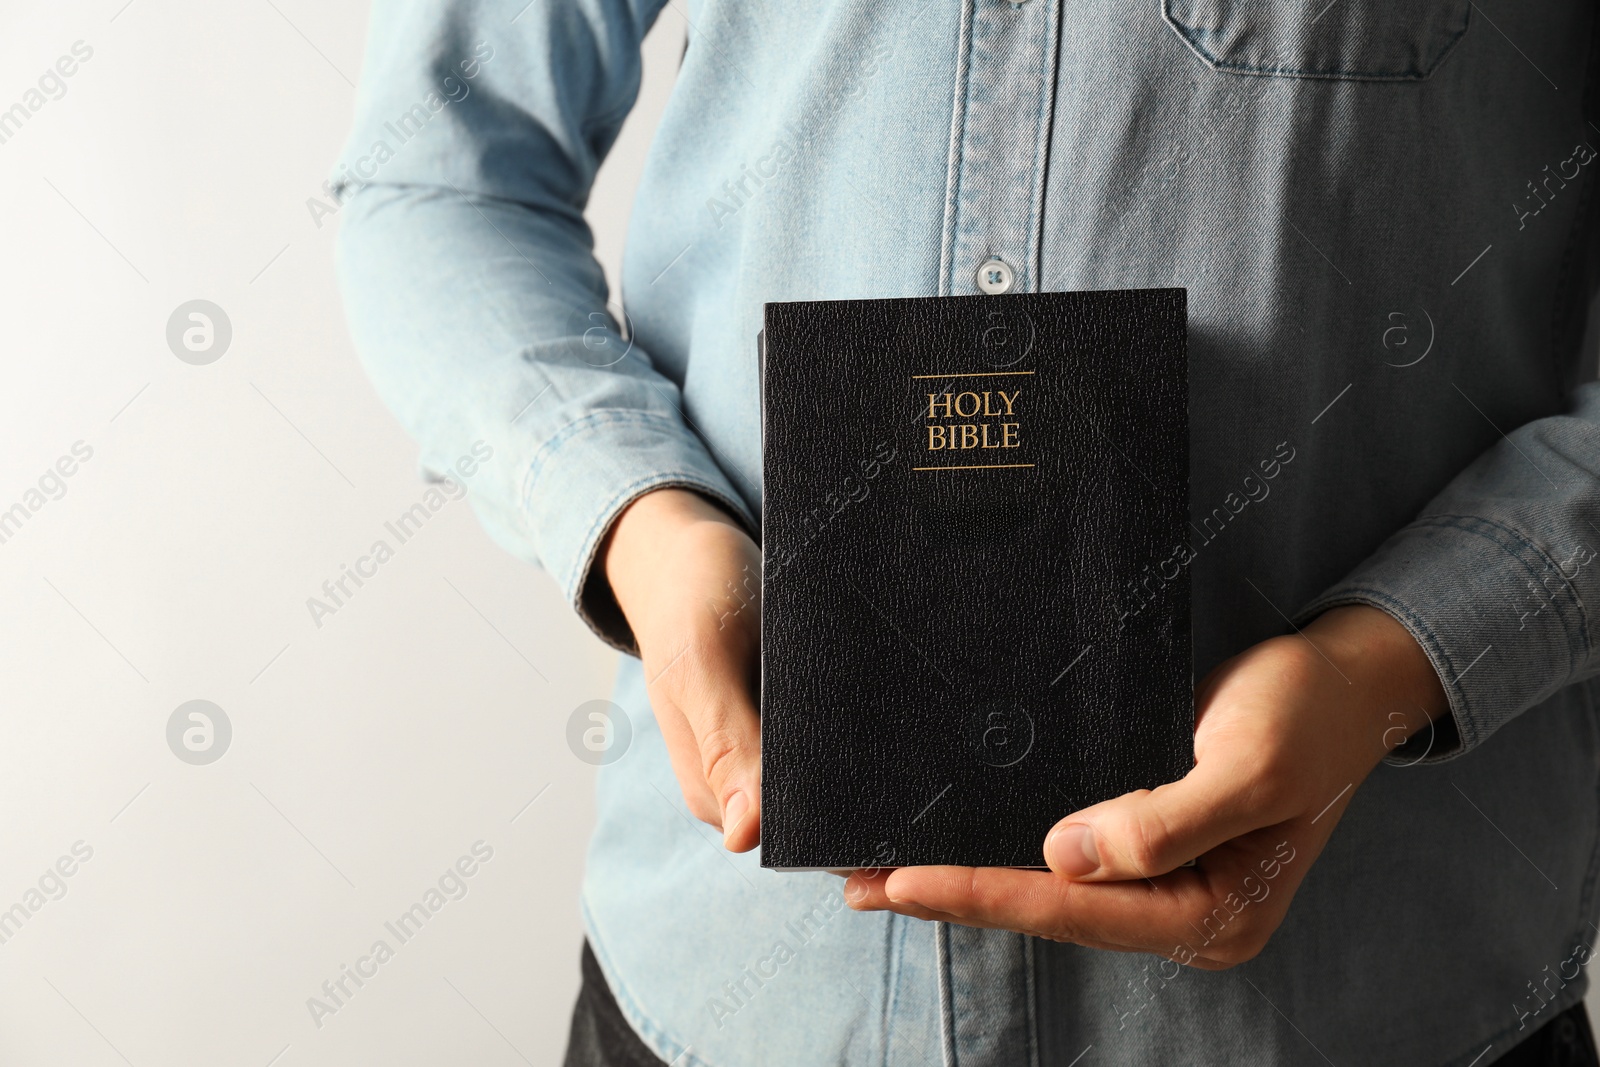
974	596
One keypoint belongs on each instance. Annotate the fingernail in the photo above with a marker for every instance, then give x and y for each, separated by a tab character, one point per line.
854	890
733	813
1072	851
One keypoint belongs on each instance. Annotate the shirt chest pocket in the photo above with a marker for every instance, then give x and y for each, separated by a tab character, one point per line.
1360	40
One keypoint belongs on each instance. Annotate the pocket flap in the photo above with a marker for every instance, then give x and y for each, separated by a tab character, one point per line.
1372	40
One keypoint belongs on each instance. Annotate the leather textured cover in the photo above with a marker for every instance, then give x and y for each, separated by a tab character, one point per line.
974	606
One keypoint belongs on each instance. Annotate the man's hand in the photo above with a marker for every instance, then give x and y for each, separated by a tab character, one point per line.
1286	732
687	578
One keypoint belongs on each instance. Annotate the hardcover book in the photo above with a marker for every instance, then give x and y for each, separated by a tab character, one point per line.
974	594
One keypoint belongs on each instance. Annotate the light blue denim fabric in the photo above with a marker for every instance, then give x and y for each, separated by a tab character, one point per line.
1382	210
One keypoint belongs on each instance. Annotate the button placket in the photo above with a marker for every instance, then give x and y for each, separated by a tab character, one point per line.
1003	104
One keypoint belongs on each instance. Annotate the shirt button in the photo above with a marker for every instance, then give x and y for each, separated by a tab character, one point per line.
995	276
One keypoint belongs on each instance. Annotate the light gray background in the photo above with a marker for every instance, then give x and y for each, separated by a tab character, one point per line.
367	755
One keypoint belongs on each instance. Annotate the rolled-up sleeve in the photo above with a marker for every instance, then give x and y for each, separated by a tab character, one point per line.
1499	578
470	284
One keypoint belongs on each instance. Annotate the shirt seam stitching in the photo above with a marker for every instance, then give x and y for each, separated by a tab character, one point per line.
583	424
1040	178
954	163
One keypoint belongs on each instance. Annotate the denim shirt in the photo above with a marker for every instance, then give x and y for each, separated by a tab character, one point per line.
1383	213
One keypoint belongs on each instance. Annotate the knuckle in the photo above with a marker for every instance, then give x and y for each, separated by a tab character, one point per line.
1295	660
1240	940
1266	786
1145	841
1214	962
1237	951
702	808
1270	794
720	750
1067	933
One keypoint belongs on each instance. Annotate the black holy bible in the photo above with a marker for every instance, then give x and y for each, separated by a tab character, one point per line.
975	594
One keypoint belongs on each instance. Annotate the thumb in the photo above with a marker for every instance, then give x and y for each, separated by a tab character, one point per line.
1150	832
728	733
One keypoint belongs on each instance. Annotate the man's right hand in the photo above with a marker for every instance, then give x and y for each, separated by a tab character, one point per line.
687	578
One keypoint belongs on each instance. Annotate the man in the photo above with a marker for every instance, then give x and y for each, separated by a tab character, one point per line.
1383	214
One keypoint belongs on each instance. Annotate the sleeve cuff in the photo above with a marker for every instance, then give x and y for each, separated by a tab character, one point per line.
1494	613
584	477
